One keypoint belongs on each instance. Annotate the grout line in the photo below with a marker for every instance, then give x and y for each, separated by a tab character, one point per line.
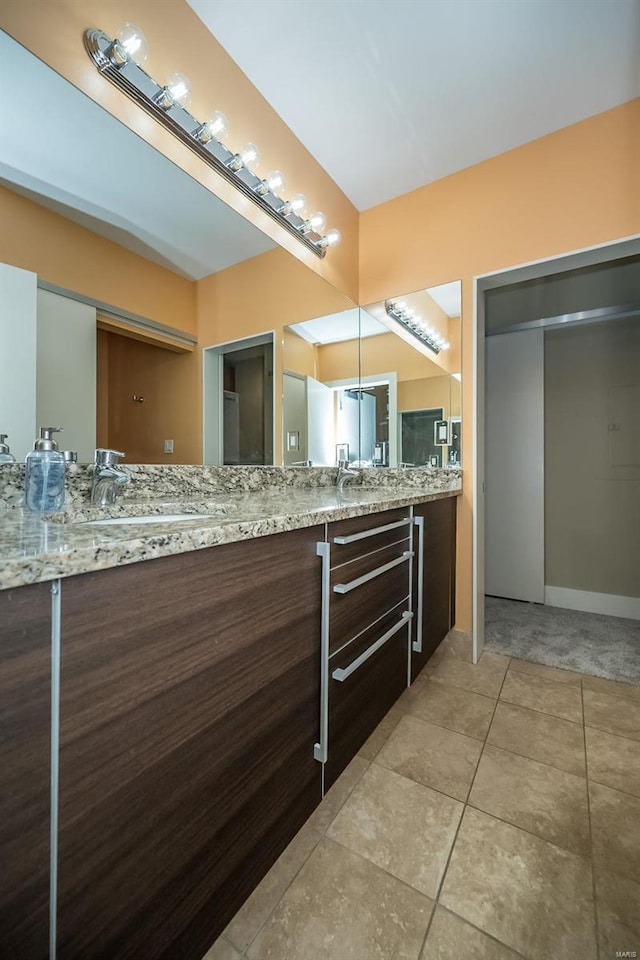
554	716
464	810
322	834
622	736
593	872
501	943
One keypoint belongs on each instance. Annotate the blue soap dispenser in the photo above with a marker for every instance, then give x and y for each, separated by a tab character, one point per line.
44	474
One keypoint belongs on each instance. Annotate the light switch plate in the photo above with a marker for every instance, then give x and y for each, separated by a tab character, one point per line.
168	446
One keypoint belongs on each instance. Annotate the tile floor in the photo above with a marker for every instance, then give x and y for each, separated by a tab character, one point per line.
494	814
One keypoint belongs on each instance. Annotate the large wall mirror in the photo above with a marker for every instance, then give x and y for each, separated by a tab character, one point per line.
140	312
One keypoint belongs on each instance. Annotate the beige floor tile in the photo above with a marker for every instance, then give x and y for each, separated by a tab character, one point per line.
451	938
529	894
458	644
431	755
541	799
221	950
615	831
556	699
324	814
614	761
613	714
539	737
618	905
380	735
548	673
402	826
484	677
342	907
627	691
449	707
261	903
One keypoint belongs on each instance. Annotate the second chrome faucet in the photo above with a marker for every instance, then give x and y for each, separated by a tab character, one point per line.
108	477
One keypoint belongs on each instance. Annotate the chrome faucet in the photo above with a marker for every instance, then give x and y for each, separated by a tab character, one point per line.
345	472
107	478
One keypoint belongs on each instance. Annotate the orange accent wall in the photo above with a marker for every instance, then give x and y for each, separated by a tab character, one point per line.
268	292
179	41
575	188
64	253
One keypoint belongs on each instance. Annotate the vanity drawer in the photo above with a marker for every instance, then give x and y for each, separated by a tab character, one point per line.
366	677
362	535
365	589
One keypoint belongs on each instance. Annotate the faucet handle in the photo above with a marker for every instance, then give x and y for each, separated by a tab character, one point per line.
108	458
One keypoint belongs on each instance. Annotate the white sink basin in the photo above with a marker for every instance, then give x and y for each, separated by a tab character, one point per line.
153	518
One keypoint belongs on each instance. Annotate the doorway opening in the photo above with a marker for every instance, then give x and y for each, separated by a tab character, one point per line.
239	402
557	354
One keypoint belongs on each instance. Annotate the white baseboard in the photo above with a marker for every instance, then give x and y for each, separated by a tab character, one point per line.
608	603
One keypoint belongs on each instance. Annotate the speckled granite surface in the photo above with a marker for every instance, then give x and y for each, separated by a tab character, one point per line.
34	549
157	482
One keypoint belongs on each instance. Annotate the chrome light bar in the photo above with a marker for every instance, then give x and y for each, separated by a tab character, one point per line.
408	319
113	61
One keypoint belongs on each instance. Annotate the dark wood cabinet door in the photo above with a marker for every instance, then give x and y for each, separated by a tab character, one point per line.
189	713
358	702
438	581
25	774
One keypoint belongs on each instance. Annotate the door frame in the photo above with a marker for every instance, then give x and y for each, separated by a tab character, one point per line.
213	390
530	270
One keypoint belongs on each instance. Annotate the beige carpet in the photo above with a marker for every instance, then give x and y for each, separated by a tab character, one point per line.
587	642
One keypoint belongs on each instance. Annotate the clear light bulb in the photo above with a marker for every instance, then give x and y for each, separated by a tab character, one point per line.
134	41
250	156
215	127
333	237
316	222
276	181
297	204
179	88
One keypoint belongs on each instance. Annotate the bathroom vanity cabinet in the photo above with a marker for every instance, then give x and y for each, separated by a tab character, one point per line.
188	713
367	595
199	694
25	779
434	578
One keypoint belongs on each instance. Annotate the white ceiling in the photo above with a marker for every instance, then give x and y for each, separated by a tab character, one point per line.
337	327
61	149
448	296
392	94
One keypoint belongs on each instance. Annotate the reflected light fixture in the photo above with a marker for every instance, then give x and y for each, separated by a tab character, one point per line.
408	319
120	61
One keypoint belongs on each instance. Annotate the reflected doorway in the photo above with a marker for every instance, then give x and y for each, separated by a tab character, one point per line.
238	400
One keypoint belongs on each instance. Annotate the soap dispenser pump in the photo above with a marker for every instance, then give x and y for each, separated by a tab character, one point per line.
44	475
5	454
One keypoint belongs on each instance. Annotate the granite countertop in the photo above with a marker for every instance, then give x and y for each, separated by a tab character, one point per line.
35	548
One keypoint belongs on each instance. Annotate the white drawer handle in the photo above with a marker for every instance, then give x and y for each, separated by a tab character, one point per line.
339	674
373	532
352	584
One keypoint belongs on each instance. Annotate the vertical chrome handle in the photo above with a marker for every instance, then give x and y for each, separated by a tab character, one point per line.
320	749
417	643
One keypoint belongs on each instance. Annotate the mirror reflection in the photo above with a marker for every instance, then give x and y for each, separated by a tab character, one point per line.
122	280
141	313
358	386
411	379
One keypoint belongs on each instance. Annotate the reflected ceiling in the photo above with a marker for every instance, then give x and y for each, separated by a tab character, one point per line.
62	150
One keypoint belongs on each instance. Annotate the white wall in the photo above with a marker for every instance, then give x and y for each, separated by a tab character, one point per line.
18	358
66	378
514	470
592	466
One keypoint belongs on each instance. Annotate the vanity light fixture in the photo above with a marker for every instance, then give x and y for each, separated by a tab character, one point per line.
408	319
120	61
